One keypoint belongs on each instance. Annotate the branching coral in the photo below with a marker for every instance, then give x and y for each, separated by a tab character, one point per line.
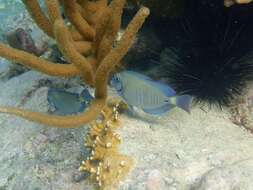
106	165
92	31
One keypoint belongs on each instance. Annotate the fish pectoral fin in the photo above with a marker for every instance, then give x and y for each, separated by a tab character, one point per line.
159	110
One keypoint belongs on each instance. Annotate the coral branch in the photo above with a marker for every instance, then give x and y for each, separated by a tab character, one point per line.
111	30
53	9
92	6
100	29
91	10
71	10
116	54
68	50
38	16
83	47
86	15
29	60
75	34
71	121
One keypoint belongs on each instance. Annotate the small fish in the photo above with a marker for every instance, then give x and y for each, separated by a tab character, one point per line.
67	102
152	97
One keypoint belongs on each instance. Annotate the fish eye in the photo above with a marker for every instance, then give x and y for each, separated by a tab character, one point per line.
118	84
116	78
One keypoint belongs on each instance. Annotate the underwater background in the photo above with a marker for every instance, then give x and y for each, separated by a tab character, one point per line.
201	49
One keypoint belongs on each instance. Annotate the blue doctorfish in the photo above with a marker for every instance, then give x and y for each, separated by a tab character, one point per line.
65	102
152	97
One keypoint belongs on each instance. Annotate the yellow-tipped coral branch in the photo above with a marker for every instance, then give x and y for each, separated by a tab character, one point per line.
106	165
70	121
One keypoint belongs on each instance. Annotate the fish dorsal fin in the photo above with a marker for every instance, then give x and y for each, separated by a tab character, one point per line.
138	75
159	110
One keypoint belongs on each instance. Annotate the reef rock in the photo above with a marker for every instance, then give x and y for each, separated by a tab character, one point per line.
238	175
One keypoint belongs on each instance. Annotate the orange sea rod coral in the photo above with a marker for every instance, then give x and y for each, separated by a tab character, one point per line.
86	43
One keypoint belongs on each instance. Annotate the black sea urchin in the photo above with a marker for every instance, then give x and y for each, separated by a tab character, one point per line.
213	60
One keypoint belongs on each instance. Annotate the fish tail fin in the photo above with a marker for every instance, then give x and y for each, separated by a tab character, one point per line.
184	102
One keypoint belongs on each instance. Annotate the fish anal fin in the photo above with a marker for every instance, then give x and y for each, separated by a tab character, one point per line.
159	110
138	75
